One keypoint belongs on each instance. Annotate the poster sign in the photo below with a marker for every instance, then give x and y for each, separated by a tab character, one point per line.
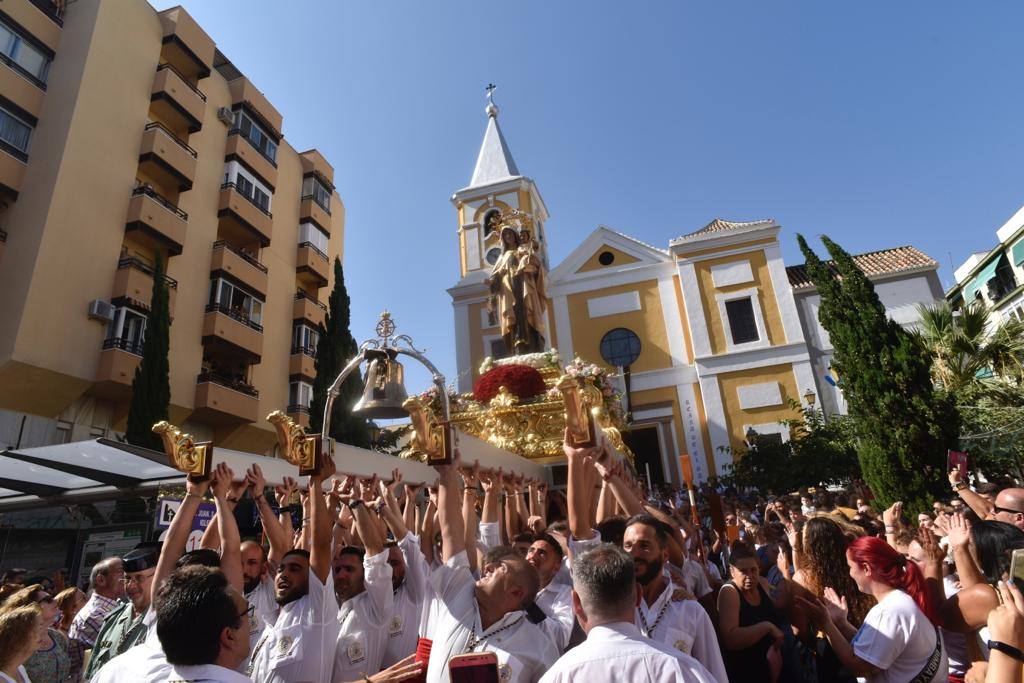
102	543
167	507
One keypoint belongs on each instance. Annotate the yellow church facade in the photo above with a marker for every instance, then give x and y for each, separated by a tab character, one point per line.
709	335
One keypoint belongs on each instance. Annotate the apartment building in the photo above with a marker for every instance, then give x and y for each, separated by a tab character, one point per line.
995	278
126	135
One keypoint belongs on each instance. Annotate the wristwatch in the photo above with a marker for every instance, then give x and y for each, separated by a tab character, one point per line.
353	504
959	485
1006	649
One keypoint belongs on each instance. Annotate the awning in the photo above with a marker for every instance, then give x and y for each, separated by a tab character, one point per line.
980	281
1017	253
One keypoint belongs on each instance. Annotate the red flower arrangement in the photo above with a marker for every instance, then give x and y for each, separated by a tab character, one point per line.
521	380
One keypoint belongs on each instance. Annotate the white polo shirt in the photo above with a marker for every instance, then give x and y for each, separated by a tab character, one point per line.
684	626
300	645
361	622
524	651
556	601
263	599
619	652
203	673
402	629
144	662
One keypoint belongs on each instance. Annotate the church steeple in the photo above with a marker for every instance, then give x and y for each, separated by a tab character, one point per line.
495	162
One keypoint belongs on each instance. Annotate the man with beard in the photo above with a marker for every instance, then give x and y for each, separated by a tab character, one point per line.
555	599
665	613
465	616
362	580
408	579
299	646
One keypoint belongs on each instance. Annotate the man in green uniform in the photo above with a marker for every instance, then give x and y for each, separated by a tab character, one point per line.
126	625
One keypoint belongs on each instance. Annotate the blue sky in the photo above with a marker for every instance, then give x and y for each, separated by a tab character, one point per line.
879	124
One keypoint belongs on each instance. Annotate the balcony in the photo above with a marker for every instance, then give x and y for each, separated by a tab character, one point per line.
185	44
40	18
309	210
239	148
221	399
176	100
21	87
167	158
300	414
242	266
12	169
309	309
312	265
244	92
241	217
133	282
233	330
157	218
313	163
118	361
302	363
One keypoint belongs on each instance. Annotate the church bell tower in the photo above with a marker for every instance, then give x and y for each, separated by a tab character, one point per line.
495	188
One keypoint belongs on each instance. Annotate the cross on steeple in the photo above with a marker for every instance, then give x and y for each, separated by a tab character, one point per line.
490	92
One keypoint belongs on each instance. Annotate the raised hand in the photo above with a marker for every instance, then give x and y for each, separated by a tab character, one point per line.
471	475
396	480
285	493
836	605
221	481
959	531
955	476
892	514
933	552
256	481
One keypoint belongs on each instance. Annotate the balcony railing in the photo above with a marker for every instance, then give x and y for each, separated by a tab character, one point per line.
53	10
306	350
23	72
314	248
248	258
235	314
251	200
233	383
193	88
128	345
168	133
237	131
142	266
299	294
159	199
18	154
298	408
313	197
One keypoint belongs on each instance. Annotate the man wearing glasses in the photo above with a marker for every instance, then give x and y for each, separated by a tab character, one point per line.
1008	505
123	628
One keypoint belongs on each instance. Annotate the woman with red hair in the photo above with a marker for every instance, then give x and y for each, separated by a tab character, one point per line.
898	641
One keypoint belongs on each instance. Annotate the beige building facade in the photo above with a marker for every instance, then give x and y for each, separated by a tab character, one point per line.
126	135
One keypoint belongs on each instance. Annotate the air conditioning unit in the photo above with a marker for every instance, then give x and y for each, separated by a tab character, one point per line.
226	115
101	310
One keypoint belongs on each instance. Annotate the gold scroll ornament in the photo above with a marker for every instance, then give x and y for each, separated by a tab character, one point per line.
430	437
300	449
580	409
194	459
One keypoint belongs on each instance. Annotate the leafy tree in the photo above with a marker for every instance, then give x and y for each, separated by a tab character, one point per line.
904	426
151	386
334	350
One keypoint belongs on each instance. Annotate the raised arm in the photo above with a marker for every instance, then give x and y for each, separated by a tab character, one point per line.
177	533
449	512
981	506
389	509
280	542
579	494
211	537
231	540
320	523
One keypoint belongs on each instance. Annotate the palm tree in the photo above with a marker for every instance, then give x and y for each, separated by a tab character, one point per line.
971	357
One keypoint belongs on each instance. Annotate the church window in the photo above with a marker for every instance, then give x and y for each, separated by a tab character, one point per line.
620	347
492	255
606	258
742	322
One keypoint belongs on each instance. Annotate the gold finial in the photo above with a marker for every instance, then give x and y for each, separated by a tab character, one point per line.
194	459
385	326
297	447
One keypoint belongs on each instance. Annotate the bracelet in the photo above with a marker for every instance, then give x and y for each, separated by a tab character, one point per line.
352	505
960	486
890	529
1006	649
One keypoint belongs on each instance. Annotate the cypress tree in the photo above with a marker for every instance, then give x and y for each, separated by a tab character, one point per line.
334	350
151	386
904	426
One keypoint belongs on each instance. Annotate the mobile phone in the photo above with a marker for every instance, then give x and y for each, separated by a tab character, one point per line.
1017	568
474	667
957	460
732	532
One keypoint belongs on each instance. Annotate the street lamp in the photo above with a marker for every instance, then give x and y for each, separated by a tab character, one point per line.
751	437
385	391
810	396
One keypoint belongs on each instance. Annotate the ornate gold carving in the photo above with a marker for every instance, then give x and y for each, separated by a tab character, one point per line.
429	439
514	219
194	459
297	447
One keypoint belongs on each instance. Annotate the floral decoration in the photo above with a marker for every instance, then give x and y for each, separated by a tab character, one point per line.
522	381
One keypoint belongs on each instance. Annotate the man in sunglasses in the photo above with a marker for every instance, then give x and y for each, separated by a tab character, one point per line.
1008	505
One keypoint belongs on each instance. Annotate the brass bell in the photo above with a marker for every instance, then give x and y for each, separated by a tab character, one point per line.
384	391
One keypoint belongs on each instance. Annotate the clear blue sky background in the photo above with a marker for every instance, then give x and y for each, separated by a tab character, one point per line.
879	124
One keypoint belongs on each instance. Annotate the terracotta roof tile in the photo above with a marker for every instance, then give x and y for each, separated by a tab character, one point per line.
721	225
873	264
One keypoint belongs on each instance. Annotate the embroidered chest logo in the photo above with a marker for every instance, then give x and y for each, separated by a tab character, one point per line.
356	652
505	672
395	625
284	646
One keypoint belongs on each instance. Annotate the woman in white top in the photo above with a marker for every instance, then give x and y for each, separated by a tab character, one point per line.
21	633
898	641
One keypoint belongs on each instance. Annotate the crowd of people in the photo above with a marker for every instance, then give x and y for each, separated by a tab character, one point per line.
383	581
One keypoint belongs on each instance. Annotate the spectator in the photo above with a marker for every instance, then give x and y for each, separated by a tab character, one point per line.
21	635
51	662
898	640
14	575
107	587
605	598
70	601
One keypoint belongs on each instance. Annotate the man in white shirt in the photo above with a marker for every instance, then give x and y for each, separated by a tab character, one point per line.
485	615
605	596
555	599
362	579
300	645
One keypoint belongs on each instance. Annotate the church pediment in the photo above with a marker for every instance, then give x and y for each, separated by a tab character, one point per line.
607	249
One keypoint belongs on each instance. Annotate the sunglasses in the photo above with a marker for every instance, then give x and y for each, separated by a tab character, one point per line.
250	610
45	600
996	509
